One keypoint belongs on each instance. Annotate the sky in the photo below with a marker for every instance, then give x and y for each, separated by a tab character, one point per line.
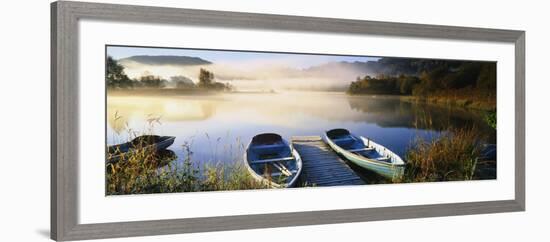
222	56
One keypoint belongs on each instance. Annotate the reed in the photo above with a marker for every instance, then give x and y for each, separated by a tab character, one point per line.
138	175
147	171
452	156
469	98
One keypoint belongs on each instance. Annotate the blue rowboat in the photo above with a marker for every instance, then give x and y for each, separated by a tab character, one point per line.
366	153
272	161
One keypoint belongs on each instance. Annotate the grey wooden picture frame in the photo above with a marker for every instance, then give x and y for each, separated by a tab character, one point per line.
65	112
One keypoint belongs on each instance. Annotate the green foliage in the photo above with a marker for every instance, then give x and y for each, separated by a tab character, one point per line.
491	118
429	78
392	66
478	75
383	85
115	77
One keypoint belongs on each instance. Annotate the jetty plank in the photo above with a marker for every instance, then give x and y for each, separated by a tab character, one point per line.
321	166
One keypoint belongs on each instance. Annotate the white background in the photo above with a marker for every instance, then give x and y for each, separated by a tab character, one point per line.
24	207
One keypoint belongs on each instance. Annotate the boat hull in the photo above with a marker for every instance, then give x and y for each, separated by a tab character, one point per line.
263	180
295	165
156	147
385	169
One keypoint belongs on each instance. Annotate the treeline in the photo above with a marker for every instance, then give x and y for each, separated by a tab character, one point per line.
383	84
434	77
116	79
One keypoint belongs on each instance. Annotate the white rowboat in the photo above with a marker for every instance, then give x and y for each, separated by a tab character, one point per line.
366	153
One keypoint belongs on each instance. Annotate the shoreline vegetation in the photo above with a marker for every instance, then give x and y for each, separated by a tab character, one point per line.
462	84
146	172
453	156
153	173
117	80
465	84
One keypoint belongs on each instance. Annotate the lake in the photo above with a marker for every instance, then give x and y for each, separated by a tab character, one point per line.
217	127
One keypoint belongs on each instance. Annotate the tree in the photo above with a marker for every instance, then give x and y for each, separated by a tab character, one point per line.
116	78
181	82
407	83
487	78
206	78
151	81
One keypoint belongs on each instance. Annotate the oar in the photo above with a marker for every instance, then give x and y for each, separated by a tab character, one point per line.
282	168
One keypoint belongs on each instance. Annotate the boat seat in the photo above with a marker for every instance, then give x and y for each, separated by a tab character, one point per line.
259	147
271	160
267	149
385	158
361	149
343	139
273	148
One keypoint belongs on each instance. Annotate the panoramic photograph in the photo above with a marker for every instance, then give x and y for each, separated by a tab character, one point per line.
197	120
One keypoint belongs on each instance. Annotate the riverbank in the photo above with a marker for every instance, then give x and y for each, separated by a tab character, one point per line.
153	172
467	98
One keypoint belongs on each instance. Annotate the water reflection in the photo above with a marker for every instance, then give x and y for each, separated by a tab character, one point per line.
393	112
219	126
125	109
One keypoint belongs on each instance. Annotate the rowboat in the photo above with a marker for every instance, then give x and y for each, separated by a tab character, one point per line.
365	153
272	161
149	143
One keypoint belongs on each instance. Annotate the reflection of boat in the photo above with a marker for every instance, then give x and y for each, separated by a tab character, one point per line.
272	161
365	153
150	143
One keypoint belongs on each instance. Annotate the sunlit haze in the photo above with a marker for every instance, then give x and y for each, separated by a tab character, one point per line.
245	69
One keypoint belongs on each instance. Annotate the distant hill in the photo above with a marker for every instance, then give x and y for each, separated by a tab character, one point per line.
342	69
165	60
383	66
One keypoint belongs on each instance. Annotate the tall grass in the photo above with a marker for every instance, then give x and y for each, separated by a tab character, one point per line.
471	98
138	175
147	171
450	157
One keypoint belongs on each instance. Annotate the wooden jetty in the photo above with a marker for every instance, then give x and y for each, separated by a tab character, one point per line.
321	165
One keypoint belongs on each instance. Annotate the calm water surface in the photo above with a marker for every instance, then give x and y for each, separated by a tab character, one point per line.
219	126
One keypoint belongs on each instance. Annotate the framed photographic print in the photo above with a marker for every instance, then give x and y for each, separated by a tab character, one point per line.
243	120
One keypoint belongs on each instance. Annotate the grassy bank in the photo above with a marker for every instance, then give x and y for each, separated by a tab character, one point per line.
465	98
149	172
453	156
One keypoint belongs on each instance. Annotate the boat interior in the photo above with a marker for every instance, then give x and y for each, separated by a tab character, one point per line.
351	143
270	155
